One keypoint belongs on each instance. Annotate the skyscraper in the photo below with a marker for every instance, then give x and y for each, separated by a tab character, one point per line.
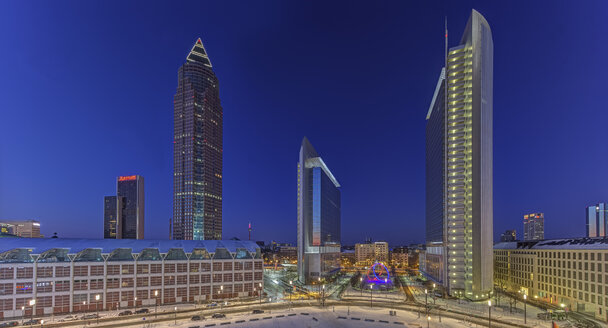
319	213
197	150
123	214
596	220
534	226
131	190
459	166
112	211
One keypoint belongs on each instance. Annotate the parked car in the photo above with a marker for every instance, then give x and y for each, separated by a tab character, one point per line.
196	318
257	311
10	324
90	316
218	316
69	318
212	305
144	310
32	322
123	313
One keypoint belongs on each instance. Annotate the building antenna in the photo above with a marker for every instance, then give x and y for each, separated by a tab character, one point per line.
250	230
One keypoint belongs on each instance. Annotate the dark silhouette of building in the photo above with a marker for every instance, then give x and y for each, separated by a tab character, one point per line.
509	235
197	150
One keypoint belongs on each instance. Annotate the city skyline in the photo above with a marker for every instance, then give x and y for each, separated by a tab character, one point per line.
251	148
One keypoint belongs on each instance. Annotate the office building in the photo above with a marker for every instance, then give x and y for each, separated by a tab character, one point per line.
572	272
534	226
459	206
369	253
509	235
399	257
319	215
112	211
123	214
596	220
25	228
197	150
67	275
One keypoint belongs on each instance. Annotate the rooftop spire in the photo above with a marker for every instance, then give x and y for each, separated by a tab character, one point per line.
199	54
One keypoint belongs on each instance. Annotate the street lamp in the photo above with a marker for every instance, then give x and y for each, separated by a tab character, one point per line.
489	314
433	293
135	303
360	285
22	314
155	304
175	309
426	304
323	299
260	293
428	321
41	323
97	307
371	297
525	313
290	292
32	303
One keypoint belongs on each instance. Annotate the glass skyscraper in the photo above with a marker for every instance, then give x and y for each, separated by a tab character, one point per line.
596	220
319	216
459	166
123	214
534	226
197	150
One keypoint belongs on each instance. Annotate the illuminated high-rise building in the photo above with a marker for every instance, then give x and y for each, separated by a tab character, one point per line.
597	220
534	226
123	214
459	165
197	150
319	215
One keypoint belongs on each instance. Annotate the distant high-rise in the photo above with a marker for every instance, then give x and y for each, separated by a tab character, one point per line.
534	226
123	214
507	236
319	213
596	220
197	150
131	190
112	211
459	205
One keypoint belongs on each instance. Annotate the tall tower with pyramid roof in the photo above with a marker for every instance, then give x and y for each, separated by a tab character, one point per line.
197	149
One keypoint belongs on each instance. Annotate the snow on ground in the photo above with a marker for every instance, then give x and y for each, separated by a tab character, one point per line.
340	316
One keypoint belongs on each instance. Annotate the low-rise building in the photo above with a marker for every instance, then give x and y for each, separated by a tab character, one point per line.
76	275
25	228
572	272
399	257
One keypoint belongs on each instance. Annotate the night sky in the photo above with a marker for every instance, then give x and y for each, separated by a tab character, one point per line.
86	93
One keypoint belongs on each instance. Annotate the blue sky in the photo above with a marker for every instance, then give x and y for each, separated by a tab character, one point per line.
86	95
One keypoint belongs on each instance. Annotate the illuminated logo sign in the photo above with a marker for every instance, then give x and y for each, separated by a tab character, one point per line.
127	178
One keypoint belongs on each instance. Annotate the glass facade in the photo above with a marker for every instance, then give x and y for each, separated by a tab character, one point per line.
319	216
112	209
596	220
197	150
131	190
534	226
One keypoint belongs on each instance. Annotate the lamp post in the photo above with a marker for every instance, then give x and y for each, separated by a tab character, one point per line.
361	285
426	304
32	303
433	293
97	307
260	293
135	303
489	314
41	323
563	306
371	297
155	304
428	321
22	314
290	292
175	309
525	313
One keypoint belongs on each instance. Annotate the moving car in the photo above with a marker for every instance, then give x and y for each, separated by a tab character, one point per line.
196	318
257	311
144	310
123	313
218	316
10	324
